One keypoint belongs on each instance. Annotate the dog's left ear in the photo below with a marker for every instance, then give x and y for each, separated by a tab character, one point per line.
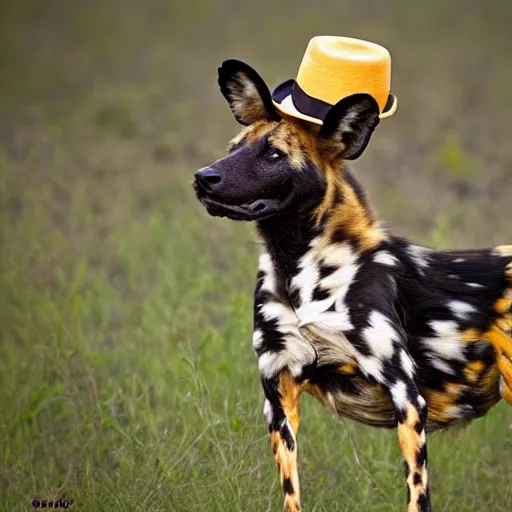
246	92
348	126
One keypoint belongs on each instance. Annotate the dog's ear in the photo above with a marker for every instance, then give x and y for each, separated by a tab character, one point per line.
246	93
348	126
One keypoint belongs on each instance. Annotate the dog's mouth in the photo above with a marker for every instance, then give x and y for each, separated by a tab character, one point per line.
253	210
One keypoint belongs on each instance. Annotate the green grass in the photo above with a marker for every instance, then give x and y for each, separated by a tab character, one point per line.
126	368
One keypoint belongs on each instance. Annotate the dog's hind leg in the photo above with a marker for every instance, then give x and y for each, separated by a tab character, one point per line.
413	444
282	414
500	333
502	342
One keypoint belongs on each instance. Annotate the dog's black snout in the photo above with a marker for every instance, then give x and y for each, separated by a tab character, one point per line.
208	177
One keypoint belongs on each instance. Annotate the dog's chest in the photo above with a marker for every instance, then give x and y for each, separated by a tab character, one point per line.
317	297
310	305
320	321
318	290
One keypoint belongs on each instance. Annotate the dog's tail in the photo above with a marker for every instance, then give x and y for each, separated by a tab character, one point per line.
500	334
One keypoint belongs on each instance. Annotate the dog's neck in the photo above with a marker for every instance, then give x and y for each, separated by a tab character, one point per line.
287	238
340	215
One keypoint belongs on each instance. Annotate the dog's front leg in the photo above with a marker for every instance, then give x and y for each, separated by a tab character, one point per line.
285	359
282	415
381	352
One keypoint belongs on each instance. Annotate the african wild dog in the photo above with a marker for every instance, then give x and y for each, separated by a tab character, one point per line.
377	328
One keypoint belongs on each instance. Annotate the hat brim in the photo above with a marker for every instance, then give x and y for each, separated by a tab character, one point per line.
283	101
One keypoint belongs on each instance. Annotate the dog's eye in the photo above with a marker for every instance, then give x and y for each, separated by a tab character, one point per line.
274	154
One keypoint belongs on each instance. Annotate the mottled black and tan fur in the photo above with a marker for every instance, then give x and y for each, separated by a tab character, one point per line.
377	328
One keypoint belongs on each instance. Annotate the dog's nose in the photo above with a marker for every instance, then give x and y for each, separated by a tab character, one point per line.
208	177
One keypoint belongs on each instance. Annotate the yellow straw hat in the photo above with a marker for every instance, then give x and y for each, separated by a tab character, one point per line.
333	68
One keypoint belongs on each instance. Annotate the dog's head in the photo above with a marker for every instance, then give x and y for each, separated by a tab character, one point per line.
279	163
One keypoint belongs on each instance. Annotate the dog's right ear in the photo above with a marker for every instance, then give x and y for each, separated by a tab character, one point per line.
348	126
246	93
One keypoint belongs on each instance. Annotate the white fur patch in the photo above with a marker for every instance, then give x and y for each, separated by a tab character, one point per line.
307	278
338	255
419	255
442	365
296	354
407	363
444	327
371	366
385	258
257	338
475	285
380	335
305	281
334	321
265	262
268	412
274	310
338	282
316	311
269	278
448	343
399	395
312	312
461	309
459	260
271	363
341	279
286	422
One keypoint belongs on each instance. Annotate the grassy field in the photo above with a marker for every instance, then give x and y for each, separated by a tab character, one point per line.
126	368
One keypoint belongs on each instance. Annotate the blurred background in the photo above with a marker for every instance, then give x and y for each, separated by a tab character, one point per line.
127	373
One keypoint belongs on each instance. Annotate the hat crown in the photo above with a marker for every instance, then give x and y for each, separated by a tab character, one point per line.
335	67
